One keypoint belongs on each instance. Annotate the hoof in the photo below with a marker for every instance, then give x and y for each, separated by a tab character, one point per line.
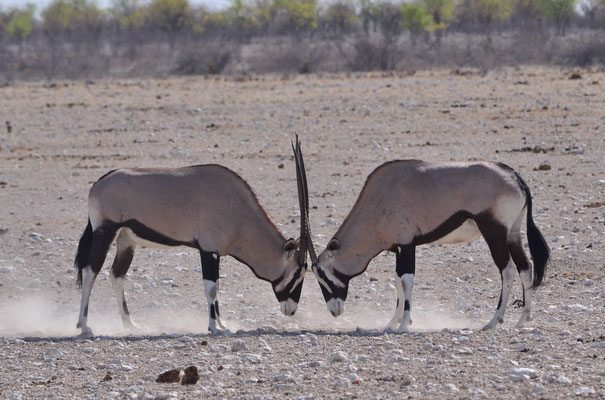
86	332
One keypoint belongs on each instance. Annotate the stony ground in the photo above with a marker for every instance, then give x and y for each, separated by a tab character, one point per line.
58	138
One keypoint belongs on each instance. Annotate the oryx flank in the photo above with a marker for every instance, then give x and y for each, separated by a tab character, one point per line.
409	203
207	207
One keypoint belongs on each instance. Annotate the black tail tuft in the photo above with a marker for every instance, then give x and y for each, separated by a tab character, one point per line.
538	248
83	253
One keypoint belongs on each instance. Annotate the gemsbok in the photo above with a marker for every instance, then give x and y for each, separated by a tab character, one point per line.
207	207
408	203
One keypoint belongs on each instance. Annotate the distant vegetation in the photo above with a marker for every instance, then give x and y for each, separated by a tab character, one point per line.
77	39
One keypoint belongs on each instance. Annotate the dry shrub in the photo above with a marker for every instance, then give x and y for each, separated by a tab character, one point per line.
207	58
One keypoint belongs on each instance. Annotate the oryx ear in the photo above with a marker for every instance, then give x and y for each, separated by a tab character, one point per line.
334	244
289	246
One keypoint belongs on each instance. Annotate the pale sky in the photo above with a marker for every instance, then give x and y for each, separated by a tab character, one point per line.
40	4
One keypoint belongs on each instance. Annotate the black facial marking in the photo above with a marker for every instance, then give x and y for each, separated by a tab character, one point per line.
284	294
212	312
337	291
406	306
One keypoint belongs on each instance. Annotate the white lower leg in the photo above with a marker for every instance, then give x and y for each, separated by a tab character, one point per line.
210	289
88	279
527	292
407	282
118	287
508	275
398	317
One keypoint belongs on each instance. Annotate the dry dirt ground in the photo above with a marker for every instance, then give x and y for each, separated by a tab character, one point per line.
58	138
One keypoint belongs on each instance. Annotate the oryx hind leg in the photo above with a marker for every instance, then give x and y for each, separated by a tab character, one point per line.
515	247
495	234
406	268
121	263
101	240
210	268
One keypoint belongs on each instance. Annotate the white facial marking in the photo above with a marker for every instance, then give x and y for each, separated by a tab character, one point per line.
284	282
321	281
336	306
333	279
300	278
288	307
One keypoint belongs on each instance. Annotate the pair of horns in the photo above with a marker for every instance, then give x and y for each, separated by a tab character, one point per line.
306	243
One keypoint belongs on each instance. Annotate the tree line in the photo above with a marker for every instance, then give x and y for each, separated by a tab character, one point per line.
200	40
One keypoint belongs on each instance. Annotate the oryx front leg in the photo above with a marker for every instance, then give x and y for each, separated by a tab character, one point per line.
406	268
210	267
121	263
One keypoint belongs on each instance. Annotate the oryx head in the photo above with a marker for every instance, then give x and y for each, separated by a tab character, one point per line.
334	284
288	287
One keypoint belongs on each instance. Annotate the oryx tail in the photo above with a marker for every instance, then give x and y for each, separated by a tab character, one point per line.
84	251
540	253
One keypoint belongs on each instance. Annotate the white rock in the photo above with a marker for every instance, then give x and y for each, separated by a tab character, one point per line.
252	379
354	378
341	382
339	356
537	389
523	373
7	270
583	391
450	387
253	358
464	350
284	378
238	345
479	393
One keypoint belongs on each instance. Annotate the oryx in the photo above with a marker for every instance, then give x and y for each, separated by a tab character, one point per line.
409	203
207	207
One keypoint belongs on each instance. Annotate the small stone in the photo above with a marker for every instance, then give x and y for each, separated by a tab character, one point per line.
521	347
520	374
238	345
339	356
253	358
354	378
171	376
284	378
190	376
107	378
332	221
544	167
341	382
537	389
583	391
450	387
7	270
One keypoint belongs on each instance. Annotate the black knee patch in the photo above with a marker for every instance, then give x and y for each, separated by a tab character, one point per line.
209	265
406	306
212	312
405	259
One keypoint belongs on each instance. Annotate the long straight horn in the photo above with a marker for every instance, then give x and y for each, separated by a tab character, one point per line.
301	166
303	244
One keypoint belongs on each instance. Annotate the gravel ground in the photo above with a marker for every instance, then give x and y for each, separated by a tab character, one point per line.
58	138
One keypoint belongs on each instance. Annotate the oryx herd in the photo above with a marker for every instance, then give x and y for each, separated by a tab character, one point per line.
403	204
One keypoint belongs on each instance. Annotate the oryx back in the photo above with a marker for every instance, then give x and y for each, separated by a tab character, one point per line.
198	206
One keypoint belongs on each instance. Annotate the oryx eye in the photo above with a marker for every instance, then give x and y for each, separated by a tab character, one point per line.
334	244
